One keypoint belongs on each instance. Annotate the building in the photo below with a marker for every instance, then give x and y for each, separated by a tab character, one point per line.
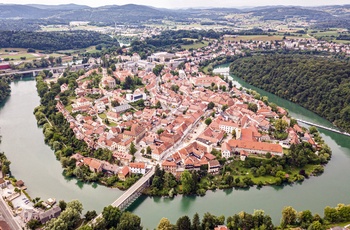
213	167
252	147
54	212
132	97
138	168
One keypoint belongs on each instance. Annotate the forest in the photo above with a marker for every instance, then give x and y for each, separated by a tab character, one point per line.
53	41
5	89
319	84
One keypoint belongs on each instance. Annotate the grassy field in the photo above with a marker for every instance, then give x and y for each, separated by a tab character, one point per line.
16	56
341	41
195	45
255	38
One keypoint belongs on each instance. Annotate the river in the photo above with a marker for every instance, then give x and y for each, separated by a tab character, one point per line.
35	163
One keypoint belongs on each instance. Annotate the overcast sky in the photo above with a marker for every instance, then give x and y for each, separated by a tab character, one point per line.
185	3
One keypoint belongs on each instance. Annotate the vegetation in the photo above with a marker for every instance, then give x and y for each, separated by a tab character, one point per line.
5	89
54	40
299	162
291	219
317	83
60	137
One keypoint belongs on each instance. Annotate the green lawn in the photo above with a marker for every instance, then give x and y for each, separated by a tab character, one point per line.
196	45
341	41
102	116
69	108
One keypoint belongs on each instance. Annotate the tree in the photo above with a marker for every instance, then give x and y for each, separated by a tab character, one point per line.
148	150
33	224
62	204
113	67
304	218
280	125
68	218
115	103
187	182
331	214
312	129
211	105
224	107
133	149
111	215
89	215
158	69
196	223
129	221
208	121
316	225
289	216
183	223
164	224
253	107
158	105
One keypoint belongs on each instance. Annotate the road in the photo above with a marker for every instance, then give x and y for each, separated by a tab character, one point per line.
7	215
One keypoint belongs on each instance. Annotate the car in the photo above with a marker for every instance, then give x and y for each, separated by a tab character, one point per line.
9	192
24	198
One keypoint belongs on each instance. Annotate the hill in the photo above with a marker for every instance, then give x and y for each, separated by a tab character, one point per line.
319	84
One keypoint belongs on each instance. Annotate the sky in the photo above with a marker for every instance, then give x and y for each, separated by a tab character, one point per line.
185	3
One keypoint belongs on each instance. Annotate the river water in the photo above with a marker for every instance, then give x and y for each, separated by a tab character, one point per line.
35	163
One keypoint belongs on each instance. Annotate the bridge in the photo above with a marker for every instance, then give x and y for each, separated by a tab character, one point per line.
130	195
323	127
58	69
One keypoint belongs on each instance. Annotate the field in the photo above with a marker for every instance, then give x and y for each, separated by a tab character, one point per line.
254	37
195	45
16	56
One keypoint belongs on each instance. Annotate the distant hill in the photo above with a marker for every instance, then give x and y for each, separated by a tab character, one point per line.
135	14
21	11
281	13
60	7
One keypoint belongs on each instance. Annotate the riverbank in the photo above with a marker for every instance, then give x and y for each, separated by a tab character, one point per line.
20	150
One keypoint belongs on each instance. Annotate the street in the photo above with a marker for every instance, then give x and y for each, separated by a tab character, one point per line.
7	215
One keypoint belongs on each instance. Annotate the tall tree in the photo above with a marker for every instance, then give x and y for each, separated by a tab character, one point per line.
183	223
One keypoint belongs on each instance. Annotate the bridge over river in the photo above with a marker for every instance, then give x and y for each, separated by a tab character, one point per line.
130	195
323	127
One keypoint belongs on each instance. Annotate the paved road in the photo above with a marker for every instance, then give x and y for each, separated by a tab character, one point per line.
7	215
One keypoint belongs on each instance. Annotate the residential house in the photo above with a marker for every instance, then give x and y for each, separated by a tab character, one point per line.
138	168
123	173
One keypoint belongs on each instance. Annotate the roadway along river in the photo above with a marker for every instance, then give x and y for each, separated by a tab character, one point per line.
35	163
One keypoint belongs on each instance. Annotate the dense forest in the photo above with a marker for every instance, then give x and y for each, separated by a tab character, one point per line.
54	40
317	83
5	89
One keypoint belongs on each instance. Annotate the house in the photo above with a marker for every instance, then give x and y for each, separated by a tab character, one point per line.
138	168
169	166
95	166
255	147
213	167
123	174
54	212
64	87
124	158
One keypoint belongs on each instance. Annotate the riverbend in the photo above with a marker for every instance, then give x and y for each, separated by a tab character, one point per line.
42	173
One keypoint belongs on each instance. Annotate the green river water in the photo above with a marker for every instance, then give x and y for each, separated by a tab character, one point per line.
35	163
